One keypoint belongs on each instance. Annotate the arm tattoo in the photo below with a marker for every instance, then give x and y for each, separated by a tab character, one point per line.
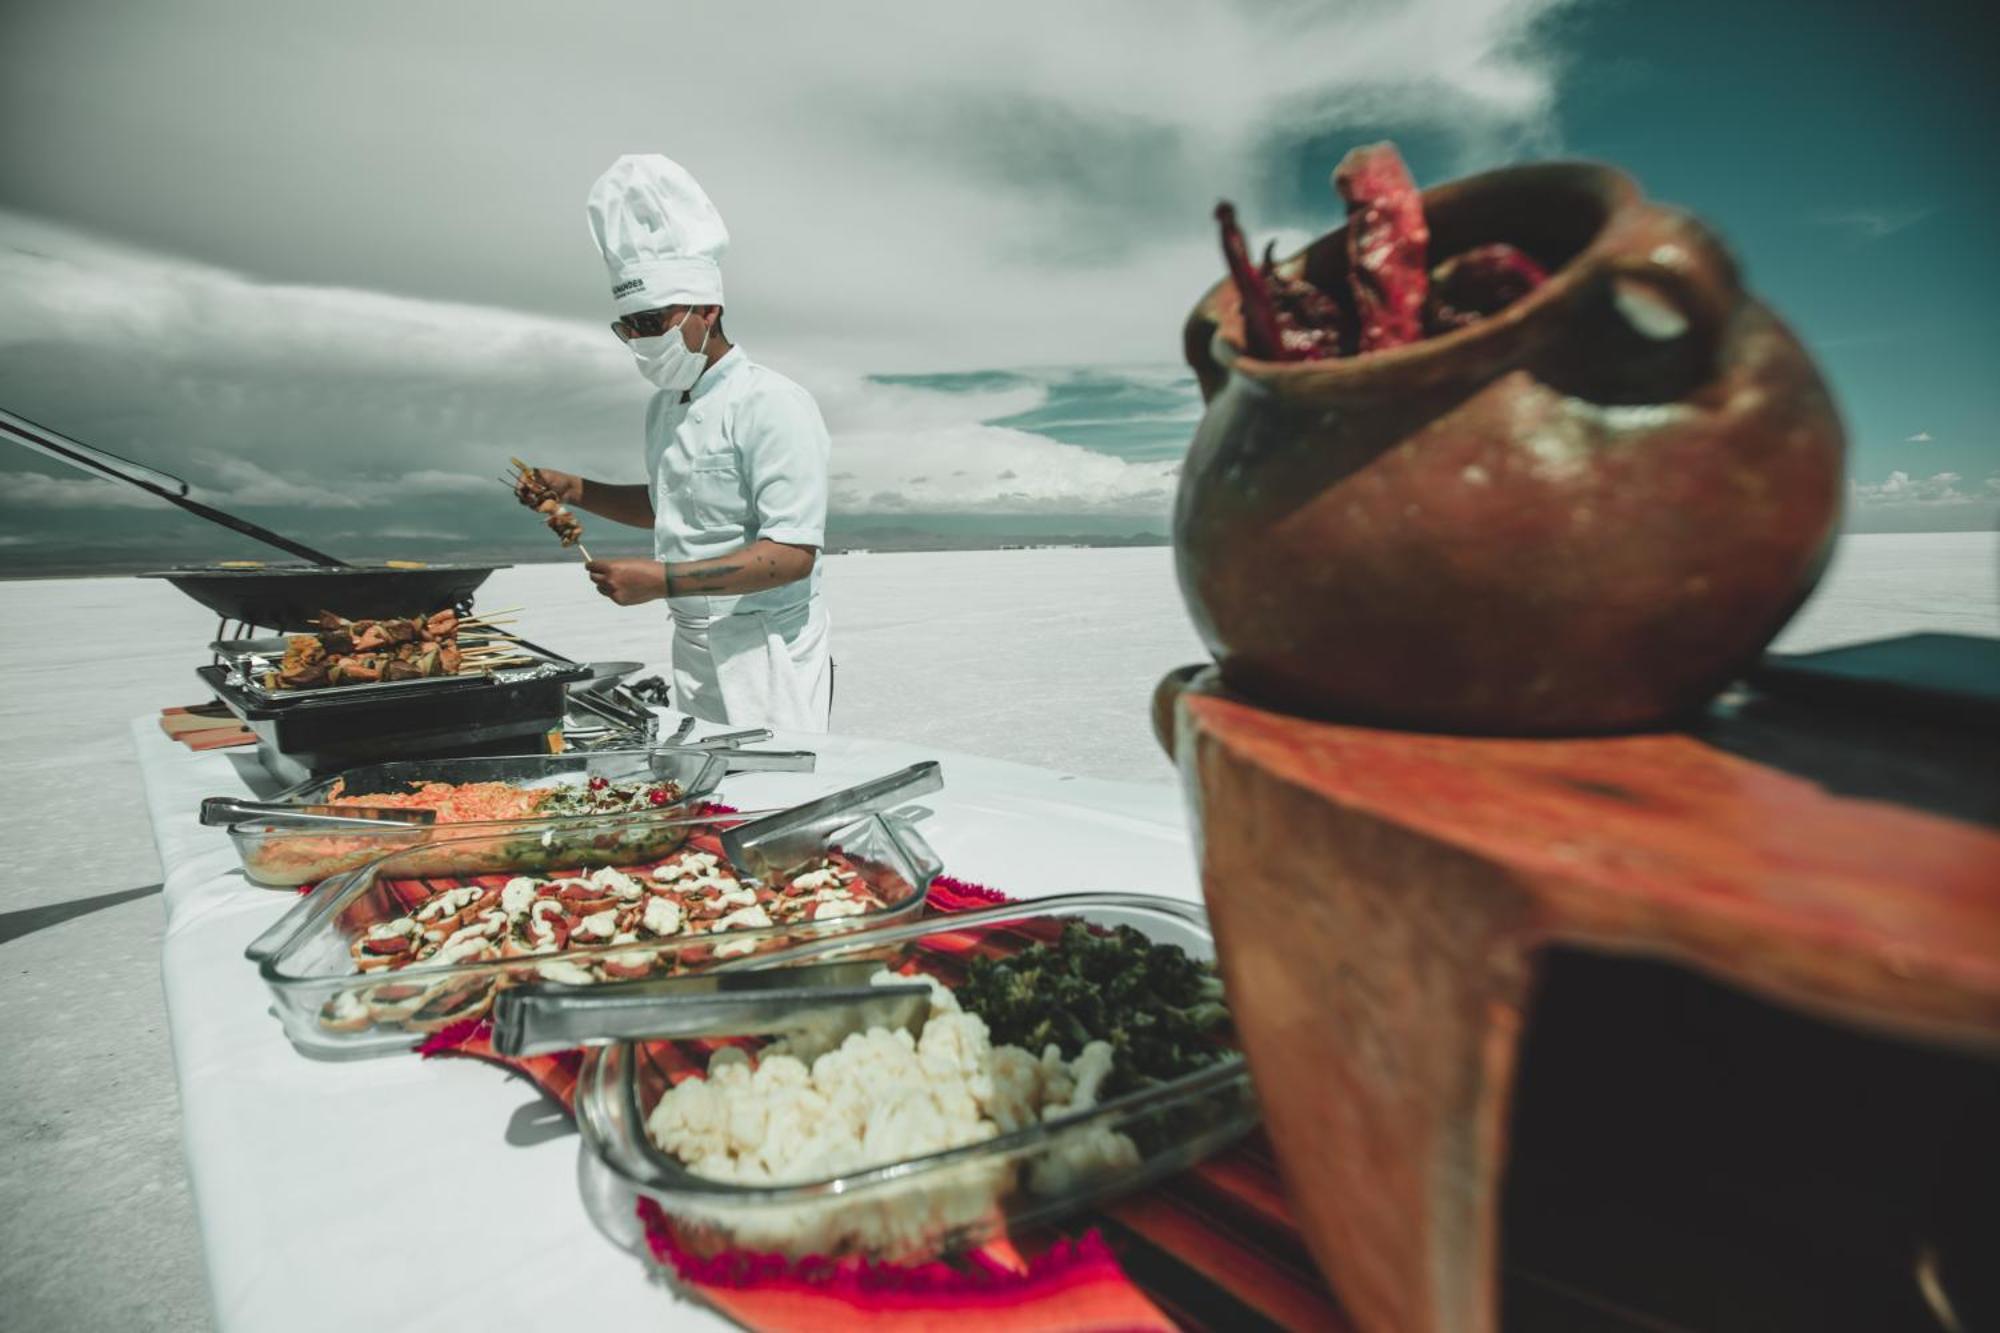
711	580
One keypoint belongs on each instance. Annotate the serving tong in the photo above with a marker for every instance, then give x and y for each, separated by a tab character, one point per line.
644	724
221	810
764	849
814	1008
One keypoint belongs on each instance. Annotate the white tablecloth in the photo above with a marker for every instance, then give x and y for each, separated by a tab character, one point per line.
427	1194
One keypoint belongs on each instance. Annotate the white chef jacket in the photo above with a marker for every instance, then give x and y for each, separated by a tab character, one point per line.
744	458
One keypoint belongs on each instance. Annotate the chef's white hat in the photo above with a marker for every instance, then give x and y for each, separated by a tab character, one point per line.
659	234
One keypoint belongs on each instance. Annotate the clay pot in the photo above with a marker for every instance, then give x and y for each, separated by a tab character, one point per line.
1585	513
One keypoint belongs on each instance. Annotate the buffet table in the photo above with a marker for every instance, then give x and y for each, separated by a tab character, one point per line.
397	1192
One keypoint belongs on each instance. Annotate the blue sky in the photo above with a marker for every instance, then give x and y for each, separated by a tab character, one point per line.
1847	151
330	263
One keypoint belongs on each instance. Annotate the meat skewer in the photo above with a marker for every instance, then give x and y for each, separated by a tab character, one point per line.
352	652
535	494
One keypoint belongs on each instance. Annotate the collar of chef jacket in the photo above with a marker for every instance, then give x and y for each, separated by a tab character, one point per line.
726	365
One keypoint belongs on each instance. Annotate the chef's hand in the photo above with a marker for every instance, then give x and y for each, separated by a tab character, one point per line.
629	582
565	486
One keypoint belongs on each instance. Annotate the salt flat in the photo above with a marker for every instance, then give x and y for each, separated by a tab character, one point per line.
1046	657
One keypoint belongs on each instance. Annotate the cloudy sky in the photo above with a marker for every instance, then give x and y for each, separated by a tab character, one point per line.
330	262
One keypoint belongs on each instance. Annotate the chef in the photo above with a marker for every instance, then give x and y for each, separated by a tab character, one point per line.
737	456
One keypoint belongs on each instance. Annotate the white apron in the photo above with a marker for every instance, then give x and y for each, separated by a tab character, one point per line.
756	669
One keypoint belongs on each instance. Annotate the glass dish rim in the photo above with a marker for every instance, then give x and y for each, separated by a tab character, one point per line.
262	827
339	886
1232	1070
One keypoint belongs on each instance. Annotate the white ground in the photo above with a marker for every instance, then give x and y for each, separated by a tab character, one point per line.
1047	657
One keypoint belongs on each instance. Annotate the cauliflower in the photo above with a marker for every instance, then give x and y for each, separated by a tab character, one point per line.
1081	1158
1014	1088
1088	1071
885	1096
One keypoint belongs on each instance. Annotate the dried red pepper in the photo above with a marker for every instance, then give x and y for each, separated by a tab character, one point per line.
1392	299
1260	320
1312	325
1387	246
1479	282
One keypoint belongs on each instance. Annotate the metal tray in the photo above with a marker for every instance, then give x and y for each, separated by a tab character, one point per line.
939	1201
247	670
284	854
333	1009
501	713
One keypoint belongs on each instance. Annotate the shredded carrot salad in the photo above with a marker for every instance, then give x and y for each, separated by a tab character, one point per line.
455	802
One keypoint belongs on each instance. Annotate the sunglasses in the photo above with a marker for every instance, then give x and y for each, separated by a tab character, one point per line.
648	323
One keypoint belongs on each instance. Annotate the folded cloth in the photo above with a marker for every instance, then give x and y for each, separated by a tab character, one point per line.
1214	1247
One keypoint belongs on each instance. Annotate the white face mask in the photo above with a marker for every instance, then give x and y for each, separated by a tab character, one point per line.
666	360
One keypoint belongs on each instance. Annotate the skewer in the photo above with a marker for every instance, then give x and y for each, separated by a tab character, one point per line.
515	486
488	615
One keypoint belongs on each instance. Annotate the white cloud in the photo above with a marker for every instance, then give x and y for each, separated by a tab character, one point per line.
1941	502
395	290
907	186
317	399
1872	224
1921	437
35	490
1900	488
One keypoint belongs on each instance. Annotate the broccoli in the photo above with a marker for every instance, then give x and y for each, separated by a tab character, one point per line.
1161	1010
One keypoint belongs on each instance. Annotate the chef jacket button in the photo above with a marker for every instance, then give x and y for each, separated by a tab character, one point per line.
696	415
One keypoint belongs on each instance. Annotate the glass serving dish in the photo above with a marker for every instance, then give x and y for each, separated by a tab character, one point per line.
941	1201
312	958
288	854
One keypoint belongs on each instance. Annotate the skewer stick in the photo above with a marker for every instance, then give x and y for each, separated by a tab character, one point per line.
535	477
474	667
488	615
